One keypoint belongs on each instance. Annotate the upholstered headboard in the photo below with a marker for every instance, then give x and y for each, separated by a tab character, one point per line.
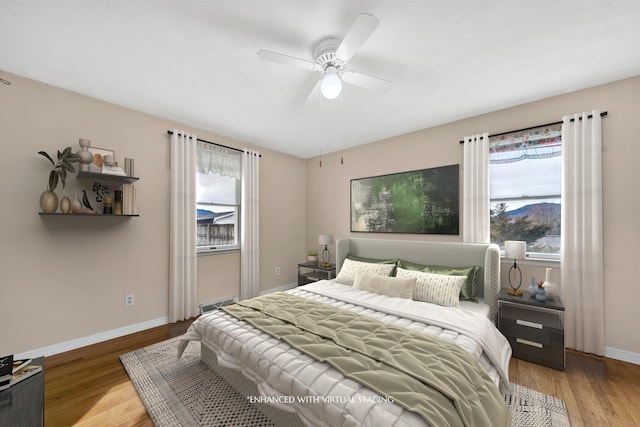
486	256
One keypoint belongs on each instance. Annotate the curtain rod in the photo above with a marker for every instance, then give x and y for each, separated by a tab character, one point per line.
603	114
170	132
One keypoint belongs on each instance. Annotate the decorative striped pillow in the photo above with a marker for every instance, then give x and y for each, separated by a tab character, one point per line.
438	289
390	286
347	273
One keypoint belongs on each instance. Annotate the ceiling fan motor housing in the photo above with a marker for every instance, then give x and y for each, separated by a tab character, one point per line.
325	54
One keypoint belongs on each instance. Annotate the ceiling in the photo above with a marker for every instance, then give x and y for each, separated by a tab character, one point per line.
196	62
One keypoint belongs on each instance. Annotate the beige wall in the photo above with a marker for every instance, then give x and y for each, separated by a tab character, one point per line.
328	209
65	278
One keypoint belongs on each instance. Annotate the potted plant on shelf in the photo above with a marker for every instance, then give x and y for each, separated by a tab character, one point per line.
66	159
312	256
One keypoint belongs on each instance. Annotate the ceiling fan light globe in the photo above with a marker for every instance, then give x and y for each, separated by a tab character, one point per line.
331	86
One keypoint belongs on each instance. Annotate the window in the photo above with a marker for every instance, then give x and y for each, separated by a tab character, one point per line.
217	198
525	173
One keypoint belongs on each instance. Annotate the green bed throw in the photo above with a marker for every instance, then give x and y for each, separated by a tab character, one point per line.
438	380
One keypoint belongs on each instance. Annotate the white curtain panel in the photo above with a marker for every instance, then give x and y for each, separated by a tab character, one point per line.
476	207
250	226
183	302
582	240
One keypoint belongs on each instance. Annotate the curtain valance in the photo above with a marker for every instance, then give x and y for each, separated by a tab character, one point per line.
218	160
537	143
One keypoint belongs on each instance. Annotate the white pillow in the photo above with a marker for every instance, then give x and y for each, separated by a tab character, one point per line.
347	273
438	289
390	286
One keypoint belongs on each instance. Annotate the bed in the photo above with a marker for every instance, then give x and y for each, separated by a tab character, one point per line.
397	361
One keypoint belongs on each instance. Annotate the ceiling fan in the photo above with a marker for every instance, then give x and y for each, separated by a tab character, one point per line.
331	57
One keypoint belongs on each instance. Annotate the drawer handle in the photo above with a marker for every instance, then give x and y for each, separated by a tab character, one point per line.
527	342
529	324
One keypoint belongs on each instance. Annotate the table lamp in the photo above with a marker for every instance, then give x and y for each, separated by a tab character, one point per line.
325	239
515	249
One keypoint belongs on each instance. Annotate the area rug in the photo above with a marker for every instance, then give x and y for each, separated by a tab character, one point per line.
187	392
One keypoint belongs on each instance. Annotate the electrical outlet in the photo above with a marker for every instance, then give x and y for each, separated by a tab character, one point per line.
277	271
129	299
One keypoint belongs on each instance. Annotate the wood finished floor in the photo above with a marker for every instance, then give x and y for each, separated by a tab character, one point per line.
89	386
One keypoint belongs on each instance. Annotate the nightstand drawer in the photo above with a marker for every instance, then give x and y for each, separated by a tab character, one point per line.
552	356
543	328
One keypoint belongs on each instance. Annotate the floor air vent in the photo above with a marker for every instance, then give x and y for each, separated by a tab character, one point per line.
210	306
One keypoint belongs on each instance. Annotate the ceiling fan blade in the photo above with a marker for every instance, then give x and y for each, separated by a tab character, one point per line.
366	81
280	58
360	31
315	96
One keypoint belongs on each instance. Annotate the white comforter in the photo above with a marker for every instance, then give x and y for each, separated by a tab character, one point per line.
320	394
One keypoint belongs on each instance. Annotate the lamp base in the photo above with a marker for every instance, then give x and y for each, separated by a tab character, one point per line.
514	292
325	264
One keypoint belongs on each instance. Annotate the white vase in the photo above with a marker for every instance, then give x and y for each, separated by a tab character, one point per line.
551	290
76	204
48	201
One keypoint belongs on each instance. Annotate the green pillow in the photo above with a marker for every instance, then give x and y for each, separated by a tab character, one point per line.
372	260
468	289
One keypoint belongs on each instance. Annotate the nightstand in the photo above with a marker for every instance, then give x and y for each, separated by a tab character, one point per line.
308	273
22	404
534	329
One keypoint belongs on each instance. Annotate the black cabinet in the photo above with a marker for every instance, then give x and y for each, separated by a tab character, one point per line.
22	404
308	273
534	329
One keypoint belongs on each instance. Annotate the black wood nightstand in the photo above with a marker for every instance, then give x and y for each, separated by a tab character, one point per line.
534	329
308	273
23	404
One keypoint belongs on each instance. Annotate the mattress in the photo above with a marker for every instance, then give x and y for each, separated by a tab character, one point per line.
321	396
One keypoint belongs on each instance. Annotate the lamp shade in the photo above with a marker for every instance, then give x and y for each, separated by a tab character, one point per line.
325	239
515	249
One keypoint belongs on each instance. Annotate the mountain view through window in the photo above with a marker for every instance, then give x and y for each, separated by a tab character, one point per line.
525	175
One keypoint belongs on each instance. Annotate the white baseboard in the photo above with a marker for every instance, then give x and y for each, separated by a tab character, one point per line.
92	339
624	355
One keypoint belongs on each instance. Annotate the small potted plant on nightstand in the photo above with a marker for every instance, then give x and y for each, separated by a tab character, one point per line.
312	256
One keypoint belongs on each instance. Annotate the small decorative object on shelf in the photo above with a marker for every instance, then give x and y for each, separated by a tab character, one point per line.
312	257
117	202
66	159
65	205
88	209
108	206
129	168
84	156
76	204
